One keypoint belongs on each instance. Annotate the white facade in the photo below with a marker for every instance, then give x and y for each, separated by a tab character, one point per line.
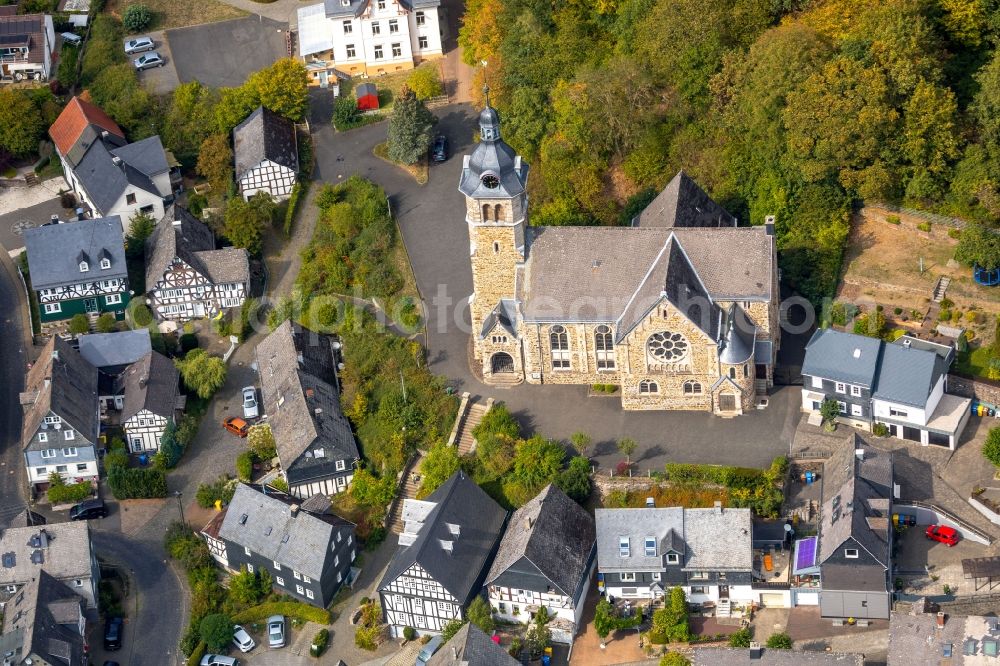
514	605
14	61
270	177
144	430
385	37
416	600
183	294
740	594
326	486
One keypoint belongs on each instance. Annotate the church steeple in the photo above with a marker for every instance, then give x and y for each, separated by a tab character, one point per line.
489	120
494	170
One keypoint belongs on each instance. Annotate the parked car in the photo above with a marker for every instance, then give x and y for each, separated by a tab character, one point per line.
236	425
242	639
943	534
138	45
218	660
250	408
439	149
87	509
148	60
428	650
276	631
71	38
113	634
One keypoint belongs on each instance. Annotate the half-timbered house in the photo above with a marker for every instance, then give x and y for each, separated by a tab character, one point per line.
151	401
266	154
448	542
46	624
78	268
61	423
546	559
301	400
186	277
307	549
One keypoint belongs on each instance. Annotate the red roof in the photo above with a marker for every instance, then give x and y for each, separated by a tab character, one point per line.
75	118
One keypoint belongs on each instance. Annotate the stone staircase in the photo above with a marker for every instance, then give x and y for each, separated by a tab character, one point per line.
31	179
473	415
408	490
723	608
503	380
940	288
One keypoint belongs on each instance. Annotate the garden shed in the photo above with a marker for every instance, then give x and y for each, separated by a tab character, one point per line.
367	97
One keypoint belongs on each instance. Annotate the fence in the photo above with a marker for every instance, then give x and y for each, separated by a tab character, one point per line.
933	218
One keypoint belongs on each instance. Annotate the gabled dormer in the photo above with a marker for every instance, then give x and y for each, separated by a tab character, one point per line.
672	548
83	261
105	259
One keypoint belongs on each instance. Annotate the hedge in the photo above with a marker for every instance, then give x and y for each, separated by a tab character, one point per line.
293	609
199	652
299	191
134	483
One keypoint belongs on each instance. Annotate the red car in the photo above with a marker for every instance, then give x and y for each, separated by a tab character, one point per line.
236	425
943	534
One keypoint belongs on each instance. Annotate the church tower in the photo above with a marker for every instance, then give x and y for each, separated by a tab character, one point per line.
493	181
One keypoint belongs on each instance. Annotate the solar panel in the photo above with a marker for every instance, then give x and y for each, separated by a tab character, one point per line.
805	557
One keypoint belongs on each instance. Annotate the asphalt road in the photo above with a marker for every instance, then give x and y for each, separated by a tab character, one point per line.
224	54
433	226
13	363
13	224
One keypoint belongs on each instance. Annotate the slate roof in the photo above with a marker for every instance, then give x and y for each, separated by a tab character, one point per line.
53	252
636	524
104	181
683	204
104	350
302	403
264	135
26	518
64	383
43	620
459	501
336	8
301	542
916	640
67	555
150	383
907	375
711	251
470	646
841	356
725	656
855	489
503	315
718	539
180	234
493	157
555	534
146	156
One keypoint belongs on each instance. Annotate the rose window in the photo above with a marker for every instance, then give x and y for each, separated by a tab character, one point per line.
666	346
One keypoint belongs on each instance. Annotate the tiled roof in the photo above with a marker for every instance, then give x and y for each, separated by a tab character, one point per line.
555	534
718	539
845	357
180	234
150	383
64	383
683	204
908	375
146	156
74	119
636	525
44	621
470	646
264	135
104	350
54	252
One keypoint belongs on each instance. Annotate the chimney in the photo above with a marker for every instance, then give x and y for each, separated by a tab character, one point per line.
177	221
142	382
650	502
117	161
857	353
294	509
55	354
755	650
769	225
860	453
940	619
906	342
54	219
104	134
718	507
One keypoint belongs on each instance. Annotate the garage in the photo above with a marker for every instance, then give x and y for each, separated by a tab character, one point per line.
774	600
807	599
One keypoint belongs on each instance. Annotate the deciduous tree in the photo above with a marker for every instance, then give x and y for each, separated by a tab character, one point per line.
437	467
215	163
283	88
21	126
246	220
202	373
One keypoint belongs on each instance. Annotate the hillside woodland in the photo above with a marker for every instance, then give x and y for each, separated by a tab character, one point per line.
788	107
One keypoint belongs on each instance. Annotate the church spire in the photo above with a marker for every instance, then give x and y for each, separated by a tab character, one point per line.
489	120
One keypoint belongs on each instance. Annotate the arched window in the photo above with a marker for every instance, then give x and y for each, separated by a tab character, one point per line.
498	213
646	386
496	247
486	212
732	373
746	369
692	388
559	342
604	347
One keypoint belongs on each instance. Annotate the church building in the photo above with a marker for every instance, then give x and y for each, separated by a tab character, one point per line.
679	309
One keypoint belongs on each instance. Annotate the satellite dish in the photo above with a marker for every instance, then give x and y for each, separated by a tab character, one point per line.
788	527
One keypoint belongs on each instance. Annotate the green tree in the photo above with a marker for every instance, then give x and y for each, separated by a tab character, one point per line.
117	90
202	373
215	162
246	220
741	638
234	105
437	467
21	126
79	324
136	17
425	82
345	113
671	621
244	587
626	446
581	442
372	492
171	448
674	659
537	462
217	631
991	447
575	479
410	128
538	636
283	88
829	410
189	120
481	615
604	620
260	440
106	323
779	641
979	246
871	324
451	629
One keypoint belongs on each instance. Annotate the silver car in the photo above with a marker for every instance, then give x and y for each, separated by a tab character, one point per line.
276	631
218	660
138	45
148	60
242	639
250	408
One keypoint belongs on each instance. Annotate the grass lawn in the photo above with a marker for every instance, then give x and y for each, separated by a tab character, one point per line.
419	171
180	13
974	362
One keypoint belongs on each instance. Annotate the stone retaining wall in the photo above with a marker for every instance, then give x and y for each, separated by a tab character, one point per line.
980	389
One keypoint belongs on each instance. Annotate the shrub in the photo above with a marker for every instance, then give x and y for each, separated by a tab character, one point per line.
954	233
409	633
829	410
106	323
216	631
944	315
740	639
79	324
897	311
321	640
779	641
126	483
893	219
197	653
137	17
293	609
220	489
991	447
880	430
870	324
345	113
69	57
280	484
674	659
62	493
947	303
924	226
298	192
244	466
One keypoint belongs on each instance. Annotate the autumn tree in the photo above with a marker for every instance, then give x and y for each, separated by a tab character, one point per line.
437	467
411	128
425	82
189	120
21	126
283	88
246	220
215	162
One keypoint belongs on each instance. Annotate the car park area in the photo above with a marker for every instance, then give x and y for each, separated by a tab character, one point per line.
926	566
224	54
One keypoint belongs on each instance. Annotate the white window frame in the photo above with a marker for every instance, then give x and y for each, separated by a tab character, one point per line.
306	579
105	264
899	413
113	299
52	419
348	27
41	471
393	26
246	551
840	387
624	547
47	453
422	42
280	580
656	576
84	267
300	589
81	467
397	50
43	437
445	607
351	52
379	53
856	410
420	18
296	575
649	546
841	406
277	565
376	28
673	558
628	577
70	452
341	465
855	390
53	308
249	568
69	435
851	553
559	348
309	594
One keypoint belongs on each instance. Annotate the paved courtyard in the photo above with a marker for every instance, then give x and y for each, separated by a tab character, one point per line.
13	224
224	54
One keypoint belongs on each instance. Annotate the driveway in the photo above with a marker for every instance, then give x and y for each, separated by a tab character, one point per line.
433	227
160	80
224	54
13	224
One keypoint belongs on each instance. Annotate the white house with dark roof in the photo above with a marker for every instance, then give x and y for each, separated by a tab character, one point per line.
708	552
301	402
680	310
902	385
342	38
307	549
45	623
151	401
62	550
546	559
449	540
186	276
27	47
855	534
78	268
61	423
266	153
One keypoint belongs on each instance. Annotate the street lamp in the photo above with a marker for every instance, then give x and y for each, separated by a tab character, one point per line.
180	505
